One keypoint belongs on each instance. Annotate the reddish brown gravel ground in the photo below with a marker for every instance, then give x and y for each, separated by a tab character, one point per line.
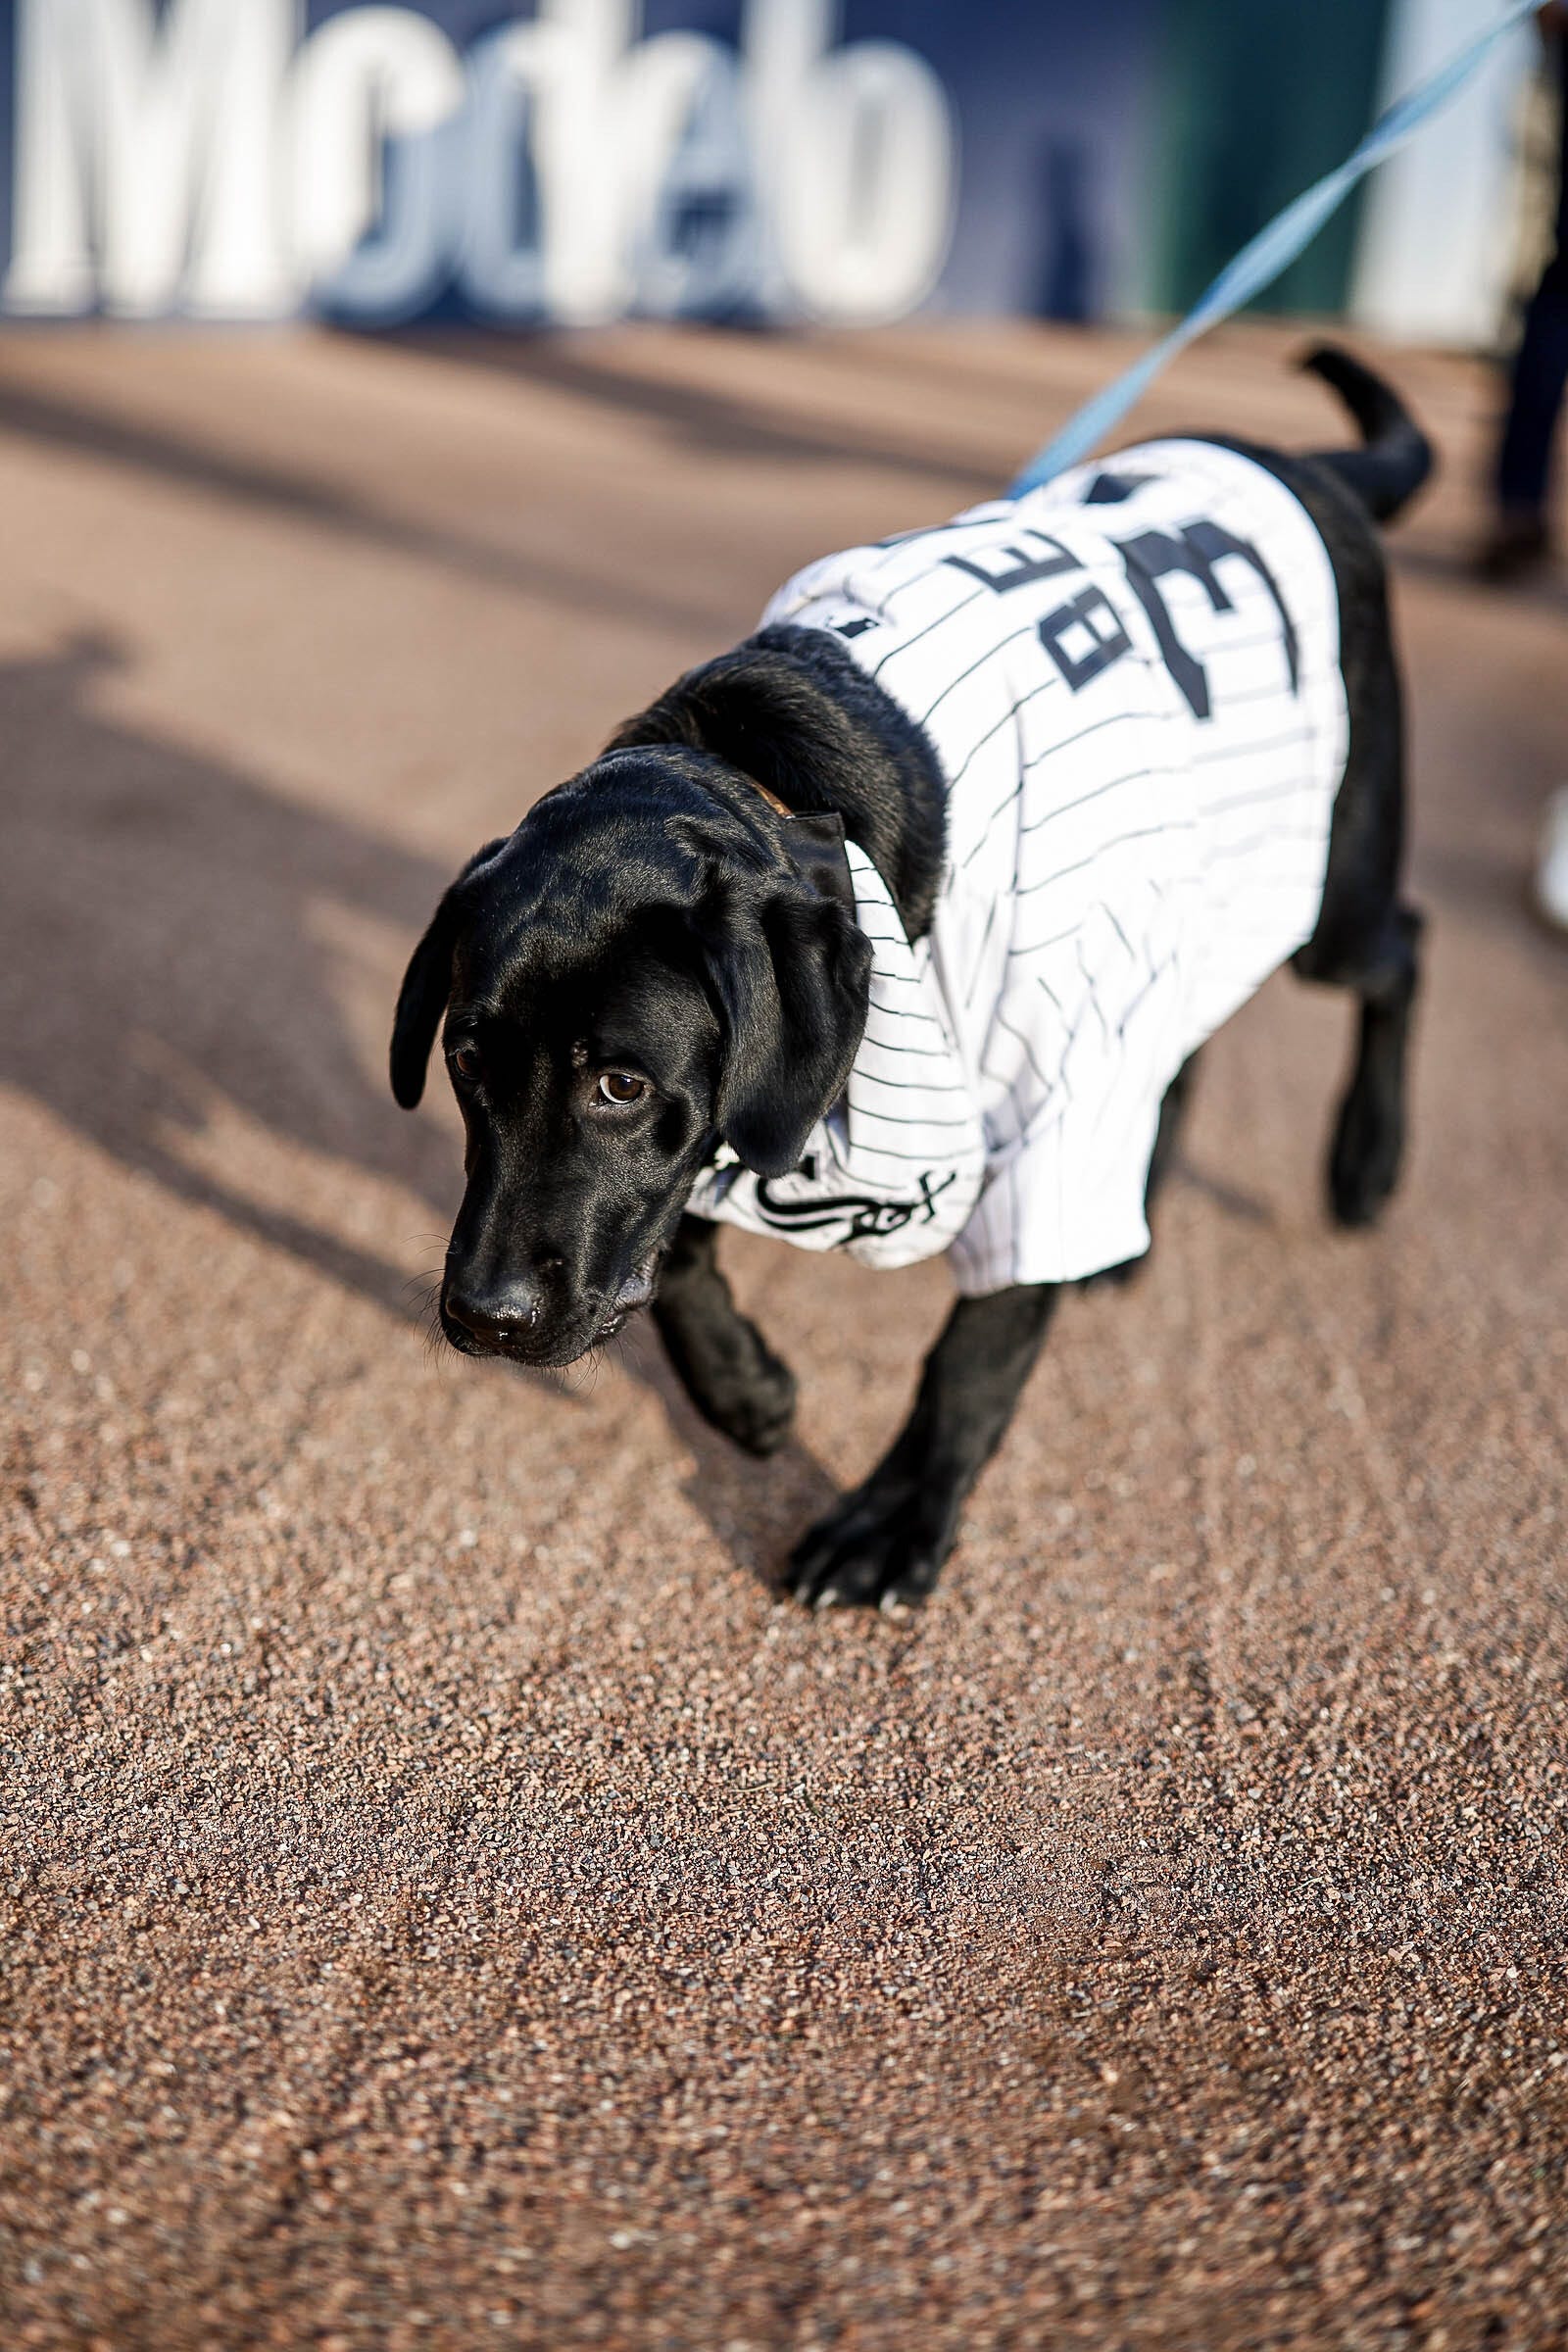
447	1901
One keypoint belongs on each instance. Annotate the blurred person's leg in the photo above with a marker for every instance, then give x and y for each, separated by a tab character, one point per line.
1551	874
1521	532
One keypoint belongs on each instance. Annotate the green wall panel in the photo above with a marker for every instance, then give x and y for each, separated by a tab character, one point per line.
1255	99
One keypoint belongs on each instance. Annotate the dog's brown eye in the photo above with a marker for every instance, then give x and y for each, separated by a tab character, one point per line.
619	1086
465	1061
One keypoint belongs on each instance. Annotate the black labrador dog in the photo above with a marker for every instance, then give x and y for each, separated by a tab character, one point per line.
662	961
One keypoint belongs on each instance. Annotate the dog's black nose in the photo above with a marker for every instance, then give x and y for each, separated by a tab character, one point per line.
500	1319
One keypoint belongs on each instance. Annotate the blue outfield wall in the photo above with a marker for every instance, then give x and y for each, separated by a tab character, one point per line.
572	160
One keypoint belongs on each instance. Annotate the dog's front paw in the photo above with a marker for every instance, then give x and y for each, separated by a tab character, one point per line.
732	1376
759	1411
882	1549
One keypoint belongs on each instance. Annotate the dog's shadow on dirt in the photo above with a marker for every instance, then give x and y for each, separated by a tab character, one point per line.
162	957
166	953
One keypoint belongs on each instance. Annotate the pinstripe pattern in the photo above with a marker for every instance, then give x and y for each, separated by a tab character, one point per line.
1125	864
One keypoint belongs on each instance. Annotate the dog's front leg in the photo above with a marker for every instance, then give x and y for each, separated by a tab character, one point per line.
885	1543
723	1362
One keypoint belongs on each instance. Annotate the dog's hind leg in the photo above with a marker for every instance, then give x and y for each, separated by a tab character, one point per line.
1369	1133
1365	939
1174	1106
1173	1109
722	1360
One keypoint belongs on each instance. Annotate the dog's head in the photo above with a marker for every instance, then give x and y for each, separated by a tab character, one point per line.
644	970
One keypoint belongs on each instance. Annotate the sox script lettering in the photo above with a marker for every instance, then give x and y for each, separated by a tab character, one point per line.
1131	684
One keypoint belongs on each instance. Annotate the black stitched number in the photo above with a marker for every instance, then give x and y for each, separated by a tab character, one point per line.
1018	564
1083	636
1110	489
1196	550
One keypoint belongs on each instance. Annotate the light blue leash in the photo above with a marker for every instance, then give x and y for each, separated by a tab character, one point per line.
1260	261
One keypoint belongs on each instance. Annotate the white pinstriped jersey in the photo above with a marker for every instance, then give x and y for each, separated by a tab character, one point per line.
1131	682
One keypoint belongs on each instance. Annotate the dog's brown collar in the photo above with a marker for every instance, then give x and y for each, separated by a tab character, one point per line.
816	841
778	807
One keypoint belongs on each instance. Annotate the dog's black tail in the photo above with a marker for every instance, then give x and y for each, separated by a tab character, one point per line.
1389	469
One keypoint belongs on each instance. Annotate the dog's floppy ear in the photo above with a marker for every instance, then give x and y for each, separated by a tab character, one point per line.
426	986
790	975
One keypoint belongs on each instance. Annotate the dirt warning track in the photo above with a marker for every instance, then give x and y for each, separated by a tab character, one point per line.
447	1901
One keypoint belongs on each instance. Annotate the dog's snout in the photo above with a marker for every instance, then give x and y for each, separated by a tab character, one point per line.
500	1318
